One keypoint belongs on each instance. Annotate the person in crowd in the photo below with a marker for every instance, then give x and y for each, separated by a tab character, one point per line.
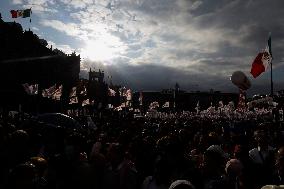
247	177
98	163
233	170
120	172
19	150
278	176
262	157
41	165
162	175
22	176
214	167
71	169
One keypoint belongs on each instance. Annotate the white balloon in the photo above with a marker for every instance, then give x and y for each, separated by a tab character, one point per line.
240	80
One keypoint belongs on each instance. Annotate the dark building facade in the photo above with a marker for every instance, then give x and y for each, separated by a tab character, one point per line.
97	88
25	58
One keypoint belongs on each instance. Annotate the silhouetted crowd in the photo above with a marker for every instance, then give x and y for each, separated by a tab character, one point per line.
124	152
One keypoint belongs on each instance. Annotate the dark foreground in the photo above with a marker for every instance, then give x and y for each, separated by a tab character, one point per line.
123	152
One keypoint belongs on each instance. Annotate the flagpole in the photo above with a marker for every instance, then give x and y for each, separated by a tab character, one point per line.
270	52
174	100
271	80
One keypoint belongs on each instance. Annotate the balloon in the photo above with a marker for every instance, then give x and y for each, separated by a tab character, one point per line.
240	80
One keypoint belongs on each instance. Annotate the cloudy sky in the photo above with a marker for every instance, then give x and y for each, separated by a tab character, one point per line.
152	44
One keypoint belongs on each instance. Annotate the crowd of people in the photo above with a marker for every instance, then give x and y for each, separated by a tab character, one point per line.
181	150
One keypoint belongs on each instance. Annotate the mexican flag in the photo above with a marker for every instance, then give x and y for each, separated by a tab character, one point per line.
21	13
262	61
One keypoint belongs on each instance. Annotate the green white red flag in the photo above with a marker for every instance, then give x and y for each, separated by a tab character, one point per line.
262	61
21	13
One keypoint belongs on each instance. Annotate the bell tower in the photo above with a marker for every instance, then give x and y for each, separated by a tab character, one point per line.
96	76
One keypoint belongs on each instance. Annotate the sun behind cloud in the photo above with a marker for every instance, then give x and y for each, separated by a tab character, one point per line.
104	47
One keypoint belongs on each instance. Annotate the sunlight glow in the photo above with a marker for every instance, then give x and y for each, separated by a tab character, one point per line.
104	47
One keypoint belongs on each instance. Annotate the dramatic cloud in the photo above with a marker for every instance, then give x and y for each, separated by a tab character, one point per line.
154	43
77	4
40	6
70	29
17	2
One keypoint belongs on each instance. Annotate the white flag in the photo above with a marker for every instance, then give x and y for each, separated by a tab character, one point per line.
128	95
197	107
58	93
84	92
154	105
111	92
34	89
31	89
166	105
86	102
73	92
109	106
49	92
119	108
122	91
73	100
